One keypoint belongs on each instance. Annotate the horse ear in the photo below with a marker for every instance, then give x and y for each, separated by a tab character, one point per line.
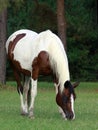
75	84
67	84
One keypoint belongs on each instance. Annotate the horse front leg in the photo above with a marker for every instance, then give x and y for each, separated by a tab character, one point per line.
33	95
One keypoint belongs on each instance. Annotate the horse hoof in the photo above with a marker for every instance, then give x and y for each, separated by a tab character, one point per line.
24	113
31	117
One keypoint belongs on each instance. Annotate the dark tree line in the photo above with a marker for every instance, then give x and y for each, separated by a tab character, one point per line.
76	23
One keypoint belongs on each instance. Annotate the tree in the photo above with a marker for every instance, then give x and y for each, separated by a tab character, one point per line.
61	21
3	18
3	23
97	11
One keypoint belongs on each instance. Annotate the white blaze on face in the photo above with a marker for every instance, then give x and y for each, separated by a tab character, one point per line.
72	105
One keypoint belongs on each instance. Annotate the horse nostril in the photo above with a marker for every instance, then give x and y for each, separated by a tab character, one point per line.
69	116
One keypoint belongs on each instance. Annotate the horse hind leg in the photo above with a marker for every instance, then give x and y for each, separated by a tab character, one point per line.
29	95
19	86
25	96
18	80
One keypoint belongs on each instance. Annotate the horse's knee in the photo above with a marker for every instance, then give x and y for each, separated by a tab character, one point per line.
20	89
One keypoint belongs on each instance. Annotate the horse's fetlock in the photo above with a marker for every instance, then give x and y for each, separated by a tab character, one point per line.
23	113
31	115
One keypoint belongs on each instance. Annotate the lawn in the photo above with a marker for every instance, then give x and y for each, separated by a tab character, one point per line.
46	111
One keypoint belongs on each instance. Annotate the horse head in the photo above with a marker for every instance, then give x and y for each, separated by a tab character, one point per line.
66	99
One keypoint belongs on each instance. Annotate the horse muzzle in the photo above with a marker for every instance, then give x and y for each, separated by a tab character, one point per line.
69	115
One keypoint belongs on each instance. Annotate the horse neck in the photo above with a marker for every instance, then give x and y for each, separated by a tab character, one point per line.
59	64
58	59
62	71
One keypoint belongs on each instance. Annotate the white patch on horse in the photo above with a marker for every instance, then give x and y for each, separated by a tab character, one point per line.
72	105
23	51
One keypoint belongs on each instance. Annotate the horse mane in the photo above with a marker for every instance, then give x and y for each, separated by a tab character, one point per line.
57	57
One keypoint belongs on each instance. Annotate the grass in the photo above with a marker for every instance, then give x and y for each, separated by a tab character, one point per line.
46	111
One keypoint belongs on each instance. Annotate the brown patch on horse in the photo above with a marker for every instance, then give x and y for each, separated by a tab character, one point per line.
41	65
19	69
13	43
11	47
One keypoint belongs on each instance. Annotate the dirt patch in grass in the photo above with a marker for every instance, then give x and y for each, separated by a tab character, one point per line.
7	87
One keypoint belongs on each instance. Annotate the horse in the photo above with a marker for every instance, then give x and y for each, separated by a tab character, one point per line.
33	54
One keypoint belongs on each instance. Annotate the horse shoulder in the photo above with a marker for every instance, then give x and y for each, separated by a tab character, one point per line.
41	65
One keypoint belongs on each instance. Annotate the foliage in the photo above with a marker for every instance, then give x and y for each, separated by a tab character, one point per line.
82	30
82	39
30	15
44	19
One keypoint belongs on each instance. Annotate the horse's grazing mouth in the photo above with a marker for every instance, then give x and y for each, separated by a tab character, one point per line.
66	100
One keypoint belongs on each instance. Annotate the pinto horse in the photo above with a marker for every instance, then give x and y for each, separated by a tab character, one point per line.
33	54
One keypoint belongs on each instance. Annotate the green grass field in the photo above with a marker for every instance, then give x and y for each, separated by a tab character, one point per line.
46	111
